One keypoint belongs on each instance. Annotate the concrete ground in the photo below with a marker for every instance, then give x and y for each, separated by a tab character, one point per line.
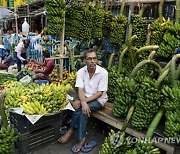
95	132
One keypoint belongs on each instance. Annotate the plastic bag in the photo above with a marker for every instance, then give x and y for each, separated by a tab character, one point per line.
25	80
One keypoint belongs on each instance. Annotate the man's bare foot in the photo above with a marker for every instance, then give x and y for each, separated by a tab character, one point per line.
65	138
81	143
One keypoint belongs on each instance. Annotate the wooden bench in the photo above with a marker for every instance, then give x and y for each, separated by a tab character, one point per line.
106	116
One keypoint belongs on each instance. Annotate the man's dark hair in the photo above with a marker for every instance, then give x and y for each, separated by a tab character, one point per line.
26	42
46	54
7	50
88	51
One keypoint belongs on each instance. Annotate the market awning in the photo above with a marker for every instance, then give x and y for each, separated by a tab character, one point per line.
4	12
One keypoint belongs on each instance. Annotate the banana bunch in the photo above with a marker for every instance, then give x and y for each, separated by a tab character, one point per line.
117	34
110	145
73	19
70	79
140	29
33	108
174	28
97	21
172	107
49	43
45	38
112	83
125	96
145	147
168	45
55	14
7	139
107	23
54	52
158	28
147	104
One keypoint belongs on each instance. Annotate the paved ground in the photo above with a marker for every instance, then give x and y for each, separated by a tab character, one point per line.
95	132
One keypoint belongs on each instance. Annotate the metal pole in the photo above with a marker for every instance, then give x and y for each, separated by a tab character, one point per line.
15	14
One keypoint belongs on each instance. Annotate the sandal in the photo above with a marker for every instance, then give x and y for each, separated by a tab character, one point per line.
75	149
88	146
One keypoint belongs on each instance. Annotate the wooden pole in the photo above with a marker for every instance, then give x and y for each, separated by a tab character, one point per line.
62	50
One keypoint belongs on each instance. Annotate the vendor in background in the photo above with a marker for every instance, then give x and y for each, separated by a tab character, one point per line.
20	50
7	40
48	64
8	60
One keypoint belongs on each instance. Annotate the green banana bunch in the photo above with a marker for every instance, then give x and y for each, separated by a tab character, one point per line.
116	143
7	139
172	107
6	77
145	147
147	103
55	16
107	23
125	96
117	34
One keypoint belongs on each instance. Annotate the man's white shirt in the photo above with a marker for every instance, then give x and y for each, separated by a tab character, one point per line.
98	82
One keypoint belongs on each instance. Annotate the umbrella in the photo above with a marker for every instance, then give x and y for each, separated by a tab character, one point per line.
4	12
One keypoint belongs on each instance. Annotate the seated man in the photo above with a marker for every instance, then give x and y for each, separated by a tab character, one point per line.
8	60
49	66
92	82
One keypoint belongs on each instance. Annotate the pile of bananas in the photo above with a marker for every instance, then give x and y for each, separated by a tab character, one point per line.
172	107
45	38
107	23
73	19
145	147
118	31
51	98
55	14
147	104
110	144
125	96
140	29
98	16
112	83
6	77
7	139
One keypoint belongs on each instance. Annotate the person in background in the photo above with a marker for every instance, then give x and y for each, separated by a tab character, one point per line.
8	60
7	40
47	63
92	82
20	50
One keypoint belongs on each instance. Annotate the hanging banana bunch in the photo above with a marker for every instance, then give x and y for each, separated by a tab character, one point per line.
55	15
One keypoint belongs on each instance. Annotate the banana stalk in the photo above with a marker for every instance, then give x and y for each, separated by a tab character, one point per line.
178	11
160	11
2	111
110	61
173	70
142	63
122	7
162	76
124	51
71	56
148	37
145	48
143	9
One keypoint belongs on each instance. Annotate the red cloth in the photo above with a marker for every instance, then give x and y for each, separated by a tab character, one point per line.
49	66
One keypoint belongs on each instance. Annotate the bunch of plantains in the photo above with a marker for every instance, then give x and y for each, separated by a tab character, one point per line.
147	104
55	14
170	40
107	23
172	108
125	96
117	34
7	139
73	19
110	146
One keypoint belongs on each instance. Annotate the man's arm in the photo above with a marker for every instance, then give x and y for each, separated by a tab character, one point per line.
6	62
94	97
38	62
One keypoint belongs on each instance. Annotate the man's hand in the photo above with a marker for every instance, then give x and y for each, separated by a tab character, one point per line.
85	108
76	104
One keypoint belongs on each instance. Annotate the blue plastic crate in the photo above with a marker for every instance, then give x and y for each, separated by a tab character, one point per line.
39	82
